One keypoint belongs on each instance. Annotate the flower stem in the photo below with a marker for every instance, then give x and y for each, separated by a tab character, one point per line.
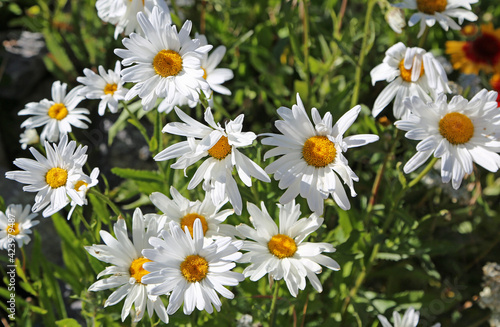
380	172
423	172
362	54
272	318
136	122
305	23
424	37
107	200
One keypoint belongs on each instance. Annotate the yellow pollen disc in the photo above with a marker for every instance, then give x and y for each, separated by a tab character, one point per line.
431	6
282	246
80	184
13	230
136	270
406	73
188	220
319	151
56	177
167	63
58	111
457	128
204	73
221	149
110	89
194	268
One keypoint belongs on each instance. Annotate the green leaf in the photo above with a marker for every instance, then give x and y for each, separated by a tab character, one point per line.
138	175
27	287
68	322
20	271
2	204
391	256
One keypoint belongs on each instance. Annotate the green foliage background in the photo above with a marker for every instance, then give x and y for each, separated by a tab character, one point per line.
422	246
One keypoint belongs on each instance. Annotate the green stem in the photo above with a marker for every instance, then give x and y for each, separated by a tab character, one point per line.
380	172
204	100
136	122
423	172
107	200
23	255
86	224
362	54
424	37
305	23
272	318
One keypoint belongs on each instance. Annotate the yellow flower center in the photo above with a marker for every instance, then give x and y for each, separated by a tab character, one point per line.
282	246
13	229
319	151
56	177
136	270
188	220
80	184
167	63
457	128
406	73
221	149
110	89
194	268
204	73
58	111
431	6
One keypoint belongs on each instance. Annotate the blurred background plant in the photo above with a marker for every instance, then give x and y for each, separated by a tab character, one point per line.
422	246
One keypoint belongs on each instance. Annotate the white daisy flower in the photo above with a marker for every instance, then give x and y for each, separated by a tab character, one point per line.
459	132
395	17
190	269
128	268
106	86
123	13
15	224
410	319
430	11
82	186
281	252
56	115
409	72
167	62
312	158
213	75
184	212
29	137
221	145
52	177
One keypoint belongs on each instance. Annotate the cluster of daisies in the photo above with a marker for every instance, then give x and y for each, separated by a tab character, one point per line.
186	252
459	132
